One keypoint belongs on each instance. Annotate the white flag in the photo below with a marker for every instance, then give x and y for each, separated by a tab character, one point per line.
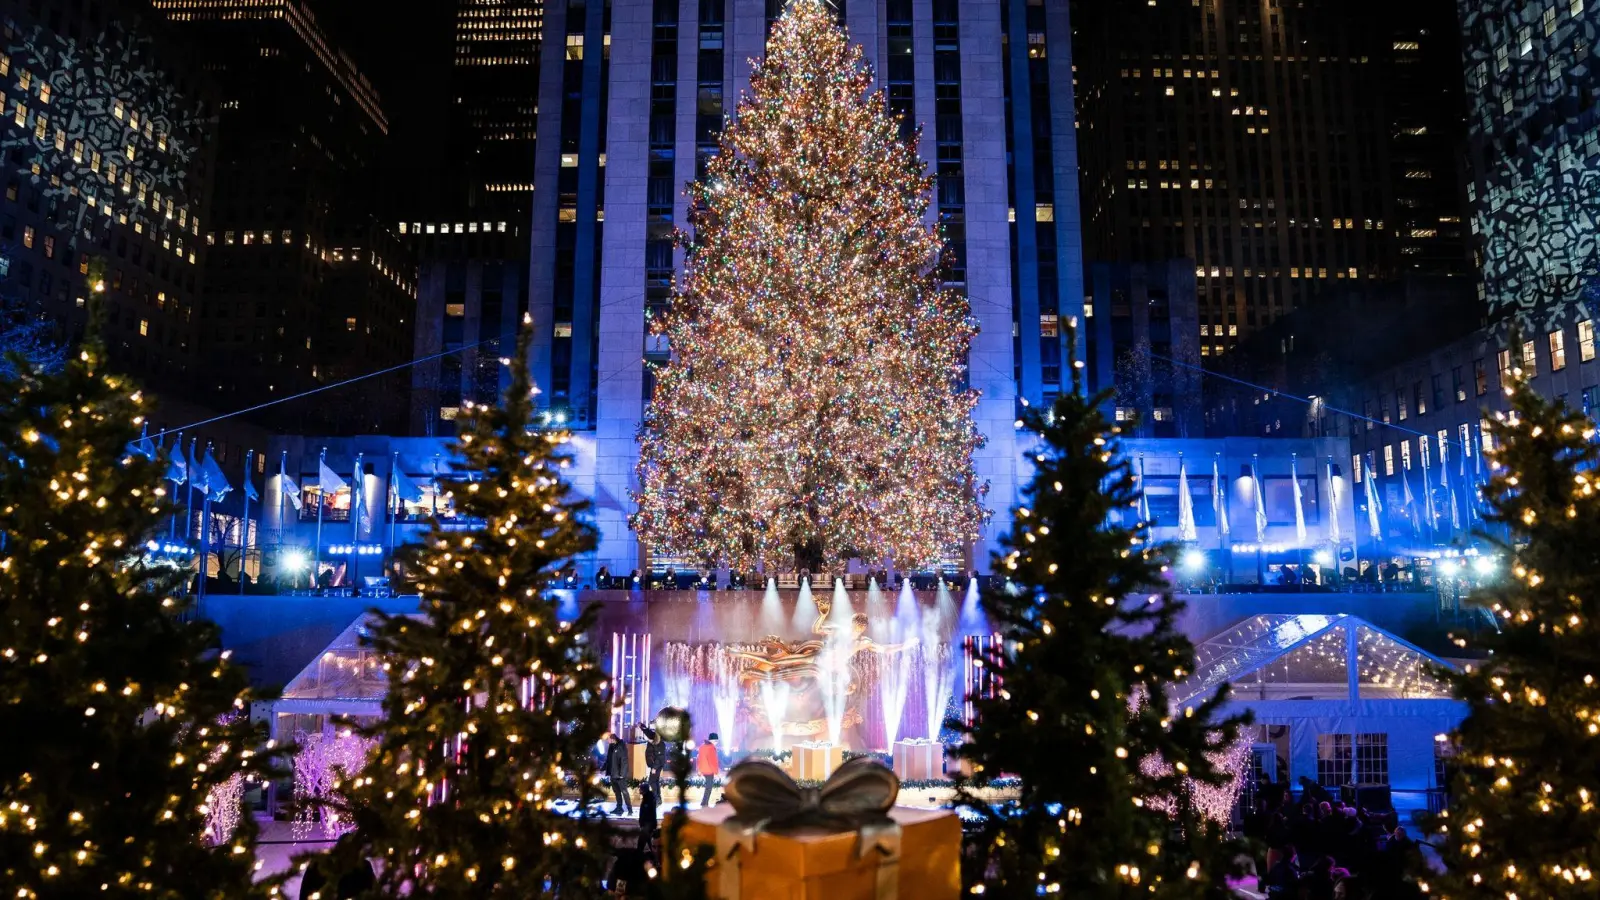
1219	500
1333	501
1299	502
287	488
1186	530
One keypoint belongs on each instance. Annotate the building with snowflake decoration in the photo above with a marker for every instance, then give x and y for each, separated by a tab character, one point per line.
108	140
1534	144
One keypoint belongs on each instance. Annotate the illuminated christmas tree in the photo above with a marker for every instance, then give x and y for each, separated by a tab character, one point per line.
813	410
494	703
1525	797
1110	772
128	733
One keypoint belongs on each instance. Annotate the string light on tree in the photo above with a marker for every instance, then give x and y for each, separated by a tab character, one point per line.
1120	796
493	702
129	740
1522	820
812	411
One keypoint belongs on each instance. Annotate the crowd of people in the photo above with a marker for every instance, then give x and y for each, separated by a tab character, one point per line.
1319	848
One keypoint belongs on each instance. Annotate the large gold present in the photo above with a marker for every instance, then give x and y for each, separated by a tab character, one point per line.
918	759
776	841
814	760
636	760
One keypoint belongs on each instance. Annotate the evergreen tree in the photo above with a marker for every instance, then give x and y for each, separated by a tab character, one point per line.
1083	717
812	411
1524	813
127	731
494	704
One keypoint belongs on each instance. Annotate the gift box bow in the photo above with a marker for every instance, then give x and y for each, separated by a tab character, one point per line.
856	798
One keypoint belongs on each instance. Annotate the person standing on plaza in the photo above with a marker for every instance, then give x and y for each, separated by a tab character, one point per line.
616	769
709	764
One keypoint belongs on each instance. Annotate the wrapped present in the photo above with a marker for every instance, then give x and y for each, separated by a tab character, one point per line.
774	840
636	760
918	759
814	760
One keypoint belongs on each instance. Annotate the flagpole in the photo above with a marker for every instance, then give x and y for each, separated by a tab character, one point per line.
205	547
391	509
188	512
358	499
188	492
316	567
172	519
244	521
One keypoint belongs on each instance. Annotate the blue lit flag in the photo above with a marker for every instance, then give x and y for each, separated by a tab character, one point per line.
287	488
1186	529
1219	499
1261	505
1299	502
211	477
1374	508
143	446
404	488
249	487
177	466
328	481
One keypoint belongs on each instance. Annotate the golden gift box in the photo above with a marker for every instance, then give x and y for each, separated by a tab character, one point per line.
814	863
918	759
814	761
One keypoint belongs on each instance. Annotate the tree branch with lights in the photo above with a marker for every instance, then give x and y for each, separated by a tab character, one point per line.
494	703
128	732
813	409
1113	778
1522	820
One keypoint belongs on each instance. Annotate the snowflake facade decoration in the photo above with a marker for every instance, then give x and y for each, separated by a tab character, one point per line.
103	134
1537	151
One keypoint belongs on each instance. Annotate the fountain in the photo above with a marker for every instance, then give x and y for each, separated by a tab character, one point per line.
805	609
938	681
724	668
841	612
678	658
775	700
771	615
894	684
972	621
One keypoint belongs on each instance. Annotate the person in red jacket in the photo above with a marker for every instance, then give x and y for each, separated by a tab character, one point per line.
709	765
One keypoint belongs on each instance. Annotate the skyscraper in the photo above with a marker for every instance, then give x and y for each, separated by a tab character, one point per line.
494	87
1287	149
1534	139
108	143
305	286
632	97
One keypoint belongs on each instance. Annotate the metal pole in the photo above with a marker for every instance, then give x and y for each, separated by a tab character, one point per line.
244	521
316	567
391	504
358	498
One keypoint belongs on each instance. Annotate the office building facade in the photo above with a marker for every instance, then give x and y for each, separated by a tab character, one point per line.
1534	138
632	97
305	287
494	85
1285	148
1141	327
108	150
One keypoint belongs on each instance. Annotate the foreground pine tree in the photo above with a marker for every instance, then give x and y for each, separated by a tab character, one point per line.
812	411
122	721
494	704
1084	720
1524	814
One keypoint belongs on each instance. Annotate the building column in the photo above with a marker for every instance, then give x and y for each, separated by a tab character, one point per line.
991	368
619	401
